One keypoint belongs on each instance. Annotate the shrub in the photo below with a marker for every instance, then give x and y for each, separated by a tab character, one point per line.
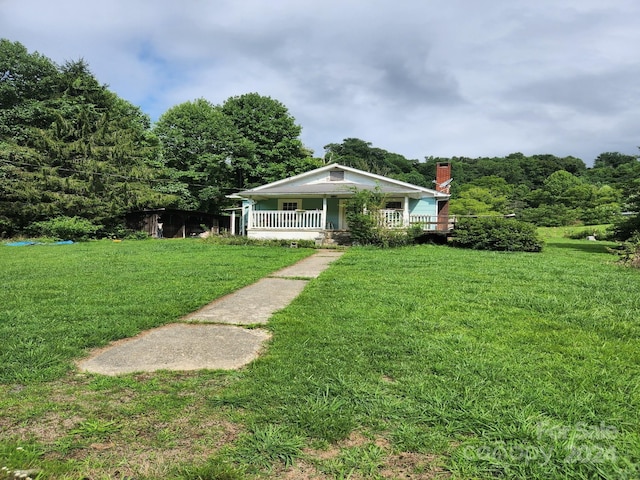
629	251
7	227
361	212
366	226
136	235
496	233
64	228
626	227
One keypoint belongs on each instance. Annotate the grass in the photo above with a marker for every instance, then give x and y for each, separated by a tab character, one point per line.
420	362
580	231
477	357
59	301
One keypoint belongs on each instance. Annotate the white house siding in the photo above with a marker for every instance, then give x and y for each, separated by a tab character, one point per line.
284	234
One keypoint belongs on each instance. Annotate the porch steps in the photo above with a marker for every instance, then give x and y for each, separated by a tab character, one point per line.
336	237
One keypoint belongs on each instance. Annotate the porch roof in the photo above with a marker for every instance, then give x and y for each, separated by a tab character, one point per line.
326	188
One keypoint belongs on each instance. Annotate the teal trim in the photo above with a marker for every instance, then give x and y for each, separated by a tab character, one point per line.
423	206
312	204
269	204
332	213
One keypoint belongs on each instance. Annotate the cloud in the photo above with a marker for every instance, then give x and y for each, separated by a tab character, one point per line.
432	77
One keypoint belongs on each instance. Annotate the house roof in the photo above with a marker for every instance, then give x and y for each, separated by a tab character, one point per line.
296	186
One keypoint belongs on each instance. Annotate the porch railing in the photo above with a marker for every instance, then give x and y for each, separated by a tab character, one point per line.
391	218
287	219
313	220
395	219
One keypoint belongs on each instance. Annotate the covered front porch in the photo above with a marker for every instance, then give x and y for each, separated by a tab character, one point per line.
313	204
310	223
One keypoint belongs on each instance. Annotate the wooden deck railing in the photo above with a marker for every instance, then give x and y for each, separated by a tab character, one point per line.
395	219
432	222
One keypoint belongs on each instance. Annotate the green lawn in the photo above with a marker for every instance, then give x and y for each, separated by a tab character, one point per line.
58	301
420	362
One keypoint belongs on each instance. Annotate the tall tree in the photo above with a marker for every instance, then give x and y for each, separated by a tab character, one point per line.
357	153
68	145
269	148
199	143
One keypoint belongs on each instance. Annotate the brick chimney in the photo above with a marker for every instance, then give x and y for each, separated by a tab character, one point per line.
443	175
443	181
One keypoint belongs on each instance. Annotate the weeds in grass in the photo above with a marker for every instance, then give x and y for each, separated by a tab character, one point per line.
19	455
96	428
214	469
364	460
266	445
323	416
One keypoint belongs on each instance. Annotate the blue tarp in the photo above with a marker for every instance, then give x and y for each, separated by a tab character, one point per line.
27	243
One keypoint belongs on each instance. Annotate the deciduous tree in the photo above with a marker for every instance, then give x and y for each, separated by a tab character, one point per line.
269	147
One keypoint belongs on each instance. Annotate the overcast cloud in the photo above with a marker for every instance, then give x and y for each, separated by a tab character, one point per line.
415	77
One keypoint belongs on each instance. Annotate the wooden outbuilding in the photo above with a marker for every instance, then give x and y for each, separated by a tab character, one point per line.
173	223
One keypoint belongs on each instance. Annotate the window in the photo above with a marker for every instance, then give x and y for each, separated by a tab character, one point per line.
290	204
336	175
394	205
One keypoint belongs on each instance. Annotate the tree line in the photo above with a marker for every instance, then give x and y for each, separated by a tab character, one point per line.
70	147
541	189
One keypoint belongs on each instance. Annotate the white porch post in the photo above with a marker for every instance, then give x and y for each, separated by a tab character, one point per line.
250	215
324	213
405	216
233	223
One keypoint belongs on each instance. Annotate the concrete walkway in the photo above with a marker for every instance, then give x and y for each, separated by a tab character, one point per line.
211	338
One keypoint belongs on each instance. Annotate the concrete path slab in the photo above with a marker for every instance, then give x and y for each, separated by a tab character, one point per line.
310	267
250	305
202	342
179	347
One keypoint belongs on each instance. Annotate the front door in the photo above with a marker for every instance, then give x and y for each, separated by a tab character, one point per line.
342	215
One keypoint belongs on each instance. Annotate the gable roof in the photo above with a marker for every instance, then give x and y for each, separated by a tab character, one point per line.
296	185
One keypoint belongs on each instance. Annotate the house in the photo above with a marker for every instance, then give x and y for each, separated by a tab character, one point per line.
174	223
312	205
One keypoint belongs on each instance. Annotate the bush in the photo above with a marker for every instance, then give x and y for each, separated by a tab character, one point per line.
64	228
366	226
7	228
626	227
629	251
496	233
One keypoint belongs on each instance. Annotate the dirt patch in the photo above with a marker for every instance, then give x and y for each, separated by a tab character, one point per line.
393	465
143	456
45	429
416	466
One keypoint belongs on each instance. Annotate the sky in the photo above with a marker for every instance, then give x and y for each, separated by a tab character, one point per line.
420	78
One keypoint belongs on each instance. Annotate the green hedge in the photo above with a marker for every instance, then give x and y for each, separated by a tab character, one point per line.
496	233
65	228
